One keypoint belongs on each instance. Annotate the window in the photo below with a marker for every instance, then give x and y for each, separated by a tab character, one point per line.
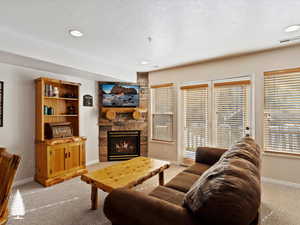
215	115
282	111
163	111
195	100
231	106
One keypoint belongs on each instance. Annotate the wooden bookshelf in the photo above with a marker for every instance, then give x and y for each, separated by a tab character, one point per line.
58	160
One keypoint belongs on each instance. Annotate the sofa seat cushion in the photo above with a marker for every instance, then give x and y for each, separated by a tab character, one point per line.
183	181
168	194
197	168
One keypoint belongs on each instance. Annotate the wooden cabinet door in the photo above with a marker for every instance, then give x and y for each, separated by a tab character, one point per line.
73	160
56	156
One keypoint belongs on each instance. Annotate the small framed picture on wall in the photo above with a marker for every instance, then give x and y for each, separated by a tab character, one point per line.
1	102
88	100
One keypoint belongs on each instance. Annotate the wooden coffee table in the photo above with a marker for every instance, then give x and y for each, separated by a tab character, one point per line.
126	174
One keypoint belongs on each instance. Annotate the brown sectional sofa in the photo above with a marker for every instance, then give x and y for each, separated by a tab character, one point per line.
221	188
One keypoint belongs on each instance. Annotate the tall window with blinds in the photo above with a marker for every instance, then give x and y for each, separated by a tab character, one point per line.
231	105
163	111
195	112
282	111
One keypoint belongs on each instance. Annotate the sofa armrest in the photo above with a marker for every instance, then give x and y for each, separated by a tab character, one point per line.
209	155
128	207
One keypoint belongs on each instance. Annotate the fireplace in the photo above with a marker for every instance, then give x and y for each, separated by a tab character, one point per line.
123	145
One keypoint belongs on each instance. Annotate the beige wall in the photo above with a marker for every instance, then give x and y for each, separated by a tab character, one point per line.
276	167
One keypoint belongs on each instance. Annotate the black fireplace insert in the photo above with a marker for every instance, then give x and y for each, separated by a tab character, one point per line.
123	145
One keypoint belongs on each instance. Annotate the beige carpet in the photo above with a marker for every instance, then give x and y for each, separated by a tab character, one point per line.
68	203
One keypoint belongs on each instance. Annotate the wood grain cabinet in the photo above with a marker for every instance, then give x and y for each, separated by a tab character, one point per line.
58	159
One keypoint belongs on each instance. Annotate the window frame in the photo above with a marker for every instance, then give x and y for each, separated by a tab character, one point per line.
182	89
270	73
250	104
163	85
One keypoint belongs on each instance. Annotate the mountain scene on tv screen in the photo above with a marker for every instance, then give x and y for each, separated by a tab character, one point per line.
120	95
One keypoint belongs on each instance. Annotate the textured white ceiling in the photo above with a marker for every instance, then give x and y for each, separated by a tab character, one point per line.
116	31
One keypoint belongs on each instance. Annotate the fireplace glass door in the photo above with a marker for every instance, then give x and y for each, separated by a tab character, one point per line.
123	145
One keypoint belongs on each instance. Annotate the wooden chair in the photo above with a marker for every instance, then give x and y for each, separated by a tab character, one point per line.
8	167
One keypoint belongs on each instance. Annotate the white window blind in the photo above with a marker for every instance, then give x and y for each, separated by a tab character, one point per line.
163	111
195	100
282	111
231	105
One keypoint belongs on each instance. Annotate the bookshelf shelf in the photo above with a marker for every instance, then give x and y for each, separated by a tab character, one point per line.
60	98
62	115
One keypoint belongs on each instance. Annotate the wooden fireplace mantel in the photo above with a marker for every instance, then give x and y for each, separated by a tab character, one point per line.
111	113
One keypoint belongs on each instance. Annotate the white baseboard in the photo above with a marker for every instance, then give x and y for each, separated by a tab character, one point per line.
281	182
30	179
23	181
92	162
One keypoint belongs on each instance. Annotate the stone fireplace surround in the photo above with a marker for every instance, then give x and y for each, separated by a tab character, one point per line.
124	121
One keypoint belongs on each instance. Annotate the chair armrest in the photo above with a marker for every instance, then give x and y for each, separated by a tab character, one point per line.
208	155
128	207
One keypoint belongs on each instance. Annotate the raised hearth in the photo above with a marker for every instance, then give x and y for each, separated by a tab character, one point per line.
123	145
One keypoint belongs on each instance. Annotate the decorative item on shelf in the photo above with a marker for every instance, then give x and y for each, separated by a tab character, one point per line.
58	130
1	102
49	90
71	110
69	95
45	110
48	110
55	92
88	100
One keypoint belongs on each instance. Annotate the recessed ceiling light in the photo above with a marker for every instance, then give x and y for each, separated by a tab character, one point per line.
144	62
292	28
75	33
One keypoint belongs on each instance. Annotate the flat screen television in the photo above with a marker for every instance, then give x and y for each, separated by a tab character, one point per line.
120	95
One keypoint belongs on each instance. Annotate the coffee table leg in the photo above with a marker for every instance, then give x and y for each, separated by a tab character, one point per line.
94	198
161	178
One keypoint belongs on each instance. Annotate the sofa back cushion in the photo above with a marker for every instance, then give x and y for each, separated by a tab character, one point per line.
242	151
228	193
